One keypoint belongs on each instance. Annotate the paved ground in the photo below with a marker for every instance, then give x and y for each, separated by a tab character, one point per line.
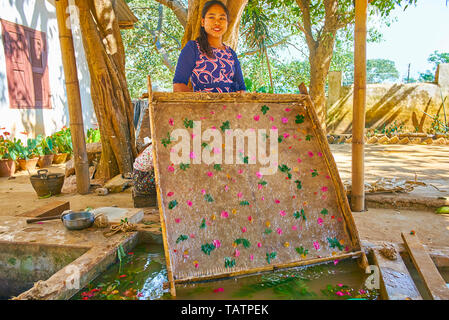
431	163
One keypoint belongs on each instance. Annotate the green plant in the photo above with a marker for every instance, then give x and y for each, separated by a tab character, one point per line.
93	135
63	141
8	148
44	146
21	151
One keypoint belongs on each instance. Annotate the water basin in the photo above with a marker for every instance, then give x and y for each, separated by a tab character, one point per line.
142	273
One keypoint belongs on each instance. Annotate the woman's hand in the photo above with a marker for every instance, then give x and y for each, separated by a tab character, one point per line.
181	87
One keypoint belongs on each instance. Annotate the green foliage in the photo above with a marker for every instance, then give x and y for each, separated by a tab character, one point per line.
44	146
172	204
435	59
166	141
300	214
182	237
334	243
152	47
93	135
229	263
184	166
207	248
270	256
63	141
246	243
208	198
302	251
283	287
225	126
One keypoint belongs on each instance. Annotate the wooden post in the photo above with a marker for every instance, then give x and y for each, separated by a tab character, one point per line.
358	114
73	97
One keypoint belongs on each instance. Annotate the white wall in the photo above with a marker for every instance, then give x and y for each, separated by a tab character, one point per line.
41	15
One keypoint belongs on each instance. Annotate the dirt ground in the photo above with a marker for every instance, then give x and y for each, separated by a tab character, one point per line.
431	163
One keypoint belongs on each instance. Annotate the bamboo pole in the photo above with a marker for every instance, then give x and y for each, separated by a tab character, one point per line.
73	97
170	277
359	102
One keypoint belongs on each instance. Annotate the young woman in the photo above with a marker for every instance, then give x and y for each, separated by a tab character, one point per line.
207	62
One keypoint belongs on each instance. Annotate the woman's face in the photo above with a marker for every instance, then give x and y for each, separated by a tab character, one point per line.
215	21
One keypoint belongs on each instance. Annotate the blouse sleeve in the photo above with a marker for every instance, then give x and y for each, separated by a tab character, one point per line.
238	75
186	63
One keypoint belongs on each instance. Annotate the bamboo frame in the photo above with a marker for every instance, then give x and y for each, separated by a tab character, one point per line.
73	98
359	103
342	202
158	191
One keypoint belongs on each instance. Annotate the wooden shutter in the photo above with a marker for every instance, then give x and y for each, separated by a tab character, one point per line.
26	66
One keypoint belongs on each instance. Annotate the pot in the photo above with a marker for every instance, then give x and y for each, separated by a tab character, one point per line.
45	160
60	158
47	184
7	167
28	164
77	220
72	220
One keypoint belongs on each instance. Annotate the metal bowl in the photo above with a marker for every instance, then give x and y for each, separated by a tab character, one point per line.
77	220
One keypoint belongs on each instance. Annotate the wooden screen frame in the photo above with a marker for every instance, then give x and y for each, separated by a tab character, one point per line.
343	205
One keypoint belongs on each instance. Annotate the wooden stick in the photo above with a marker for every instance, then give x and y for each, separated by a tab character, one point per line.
359	102
271	267
73	98
434	282
158	191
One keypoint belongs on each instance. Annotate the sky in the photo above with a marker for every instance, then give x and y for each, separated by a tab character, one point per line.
417	33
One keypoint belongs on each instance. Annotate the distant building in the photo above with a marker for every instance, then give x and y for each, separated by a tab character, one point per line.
32	88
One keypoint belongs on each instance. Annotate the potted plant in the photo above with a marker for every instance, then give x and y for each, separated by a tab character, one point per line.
63	145
27	155
8	155
45	150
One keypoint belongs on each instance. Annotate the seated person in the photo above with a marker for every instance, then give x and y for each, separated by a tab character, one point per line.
143	173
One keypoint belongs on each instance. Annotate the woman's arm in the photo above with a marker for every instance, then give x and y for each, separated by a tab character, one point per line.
181	87
184	68
238	75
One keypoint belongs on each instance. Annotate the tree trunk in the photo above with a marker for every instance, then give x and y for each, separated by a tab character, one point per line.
231	37
320	59
321	46
109	91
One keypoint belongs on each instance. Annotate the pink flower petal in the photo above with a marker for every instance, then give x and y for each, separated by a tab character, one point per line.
271	118
192	155
237	253
310	153
316	245
320	221
170	194
171	122
240	194
210	174
299	160
216	243
177	220
282	213
224	214
243	229
287	109
218	290
324	189
284	120
279	231
251	257
239	116
256	118
294	228
259	244
189	203
277	201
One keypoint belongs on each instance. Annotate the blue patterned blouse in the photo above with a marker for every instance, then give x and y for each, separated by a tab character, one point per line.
222	74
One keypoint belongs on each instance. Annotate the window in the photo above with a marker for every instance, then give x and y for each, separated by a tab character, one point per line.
26	66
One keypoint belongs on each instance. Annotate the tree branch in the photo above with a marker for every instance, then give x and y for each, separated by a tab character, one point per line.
178	9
